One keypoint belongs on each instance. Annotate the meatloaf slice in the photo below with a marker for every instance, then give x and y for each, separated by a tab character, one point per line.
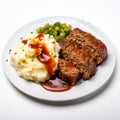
90	44
67	71
78	57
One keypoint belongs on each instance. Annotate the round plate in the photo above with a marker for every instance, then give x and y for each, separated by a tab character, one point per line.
84	89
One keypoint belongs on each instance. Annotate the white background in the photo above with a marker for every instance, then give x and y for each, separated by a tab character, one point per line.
105	14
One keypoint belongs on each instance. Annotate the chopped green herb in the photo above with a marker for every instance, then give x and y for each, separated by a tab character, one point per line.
31	32
15	53
54	42
21	38
19	63
54	56
49	36
6	60
25	55
22	49
10	51
32	60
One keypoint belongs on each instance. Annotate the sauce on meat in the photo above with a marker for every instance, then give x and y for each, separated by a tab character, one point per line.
56	85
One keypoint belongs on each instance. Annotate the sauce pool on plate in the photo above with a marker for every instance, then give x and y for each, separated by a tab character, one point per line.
56	85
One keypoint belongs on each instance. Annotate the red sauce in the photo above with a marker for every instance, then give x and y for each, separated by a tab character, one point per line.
40	36
44	55
24	42
56	85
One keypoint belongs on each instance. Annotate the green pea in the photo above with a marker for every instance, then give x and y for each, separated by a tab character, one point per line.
62	34
40	30
57	24
45	31
47	25
63	25
69	27
58	30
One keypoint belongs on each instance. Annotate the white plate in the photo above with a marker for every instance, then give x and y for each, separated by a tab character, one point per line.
84	89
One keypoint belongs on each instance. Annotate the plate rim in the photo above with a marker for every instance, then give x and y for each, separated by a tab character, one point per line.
79	20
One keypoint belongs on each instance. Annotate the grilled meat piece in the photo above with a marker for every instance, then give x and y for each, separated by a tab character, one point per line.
78	57
90	44
67	71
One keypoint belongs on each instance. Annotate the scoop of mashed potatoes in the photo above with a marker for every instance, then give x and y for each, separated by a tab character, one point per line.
23	58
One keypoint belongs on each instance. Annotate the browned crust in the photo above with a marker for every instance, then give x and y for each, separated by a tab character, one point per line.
96	48
78	57
68	72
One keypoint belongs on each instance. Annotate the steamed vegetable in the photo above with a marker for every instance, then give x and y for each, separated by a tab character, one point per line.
58	30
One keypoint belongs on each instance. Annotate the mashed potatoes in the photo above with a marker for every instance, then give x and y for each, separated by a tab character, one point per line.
24	57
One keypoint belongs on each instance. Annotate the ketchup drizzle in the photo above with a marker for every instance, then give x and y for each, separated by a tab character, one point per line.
43	55
24	42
